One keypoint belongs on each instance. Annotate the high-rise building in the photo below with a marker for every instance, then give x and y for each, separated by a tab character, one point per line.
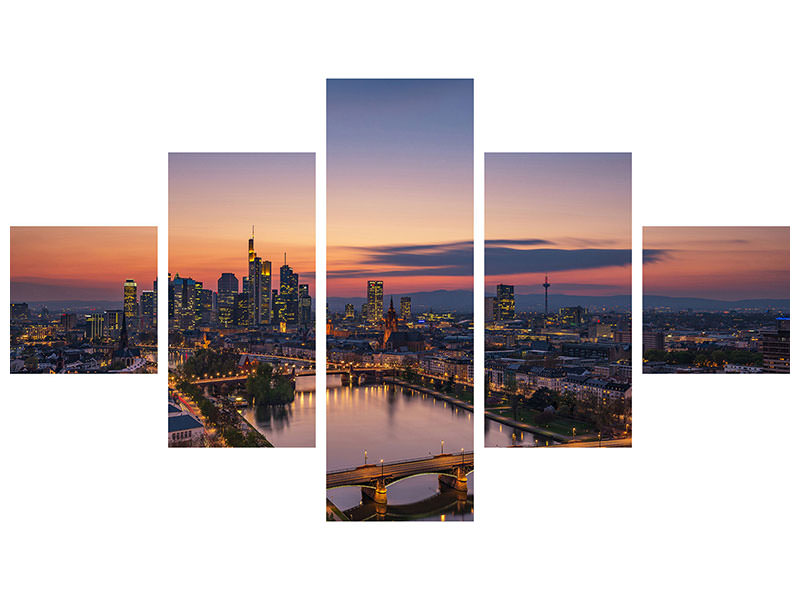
227	282
490	308
304	301
205	305
652	340
19	311
185	303
148	303
265	289
259	283
374	301
94	326
572	315
365	312
349	311
226	306
276	305
405	308
113	323
289	295
241	310
68	321
130	301
505	307
775	348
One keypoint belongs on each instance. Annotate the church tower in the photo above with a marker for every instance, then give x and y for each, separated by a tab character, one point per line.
389	323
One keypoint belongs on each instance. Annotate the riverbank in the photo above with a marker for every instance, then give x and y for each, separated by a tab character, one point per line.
526	427
434	393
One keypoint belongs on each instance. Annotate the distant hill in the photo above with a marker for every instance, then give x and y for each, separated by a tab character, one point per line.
76	305
530	302
710	304
462	301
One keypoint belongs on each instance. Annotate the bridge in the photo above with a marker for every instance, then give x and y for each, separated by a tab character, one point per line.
375	478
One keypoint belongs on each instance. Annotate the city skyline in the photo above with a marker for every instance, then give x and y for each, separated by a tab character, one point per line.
719	263
219	200
65	263
399	184
565	216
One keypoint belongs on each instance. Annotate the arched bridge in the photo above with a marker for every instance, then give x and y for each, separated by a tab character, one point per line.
373	479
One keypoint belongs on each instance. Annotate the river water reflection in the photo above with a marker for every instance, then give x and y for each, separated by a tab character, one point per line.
287	426
504	436
395	423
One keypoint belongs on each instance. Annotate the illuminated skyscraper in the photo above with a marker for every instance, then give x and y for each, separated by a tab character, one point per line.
304	300
259	282
289	295
148	303
113	323
349	311
505	306
129	298
374	301
405	308
94	326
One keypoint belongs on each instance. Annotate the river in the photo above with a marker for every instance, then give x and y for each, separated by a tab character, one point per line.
291	425
393	423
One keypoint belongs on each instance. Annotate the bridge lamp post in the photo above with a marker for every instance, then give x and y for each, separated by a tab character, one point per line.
462	457
381	467
573	433
365	457
442	446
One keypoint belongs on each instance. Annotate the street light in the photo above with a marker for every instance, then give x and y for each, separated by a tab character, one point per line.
381	467
442	446
365	457
462	457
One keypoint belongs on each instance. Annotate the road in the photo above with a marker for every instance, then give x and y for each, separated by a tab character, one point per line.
363	475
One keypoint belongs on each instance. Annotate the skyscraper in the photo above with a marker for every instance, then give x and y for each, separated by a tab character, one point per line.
289	296
505	307
374	301
405	308
349	311
304	304
259	282
94	326
227	282
129	299
148	302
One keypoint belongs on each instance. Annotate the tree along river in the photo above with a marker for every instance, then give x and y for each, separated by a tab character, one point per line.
288	425
394	423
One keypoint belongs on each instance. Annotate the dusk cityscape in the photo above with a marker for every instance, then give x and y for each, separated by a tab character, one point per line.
399	319
558	300
241	312
716	300
84	300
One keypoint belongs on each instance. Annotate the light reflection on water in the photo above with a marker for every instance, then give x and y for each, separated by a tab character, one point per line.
291	425
393	423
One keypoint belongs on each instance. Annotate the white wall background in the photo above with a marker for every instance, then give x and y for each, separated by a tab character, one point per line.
94	97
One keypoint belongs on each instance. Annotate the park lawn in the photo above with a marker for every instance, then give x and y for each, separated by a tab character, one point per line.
560	425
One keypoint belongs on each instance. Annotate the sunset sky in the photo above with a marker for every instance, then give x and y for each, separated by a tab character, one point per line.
399	185
80	263
567	215
214	199
720	263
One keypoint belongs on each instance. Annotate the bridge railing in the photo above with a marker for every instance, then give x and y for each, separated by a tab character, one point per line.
405	461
